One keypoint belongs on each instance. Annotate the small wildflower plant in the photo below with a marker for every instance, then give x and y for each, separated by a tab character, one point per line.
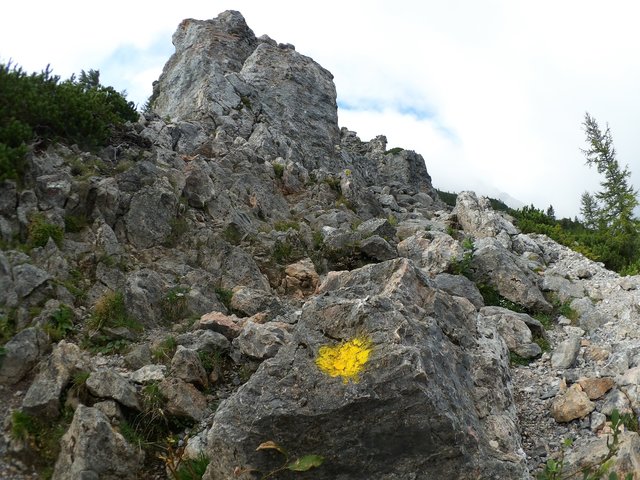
346	360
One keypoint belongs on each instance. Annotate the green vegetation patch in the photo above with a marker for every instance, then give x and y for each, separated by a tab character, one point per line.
40	105
40	231
60	323
394	151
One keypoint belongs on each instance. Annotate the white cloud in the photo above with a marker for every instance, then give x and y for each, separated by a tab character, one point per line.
500	86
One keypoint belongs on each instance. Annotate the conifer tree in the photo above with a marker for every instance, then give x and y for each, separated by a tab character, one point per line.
611	208
610	212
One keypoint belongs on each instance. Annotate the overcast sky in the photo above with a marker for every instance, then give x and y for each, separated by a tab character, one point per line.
492	93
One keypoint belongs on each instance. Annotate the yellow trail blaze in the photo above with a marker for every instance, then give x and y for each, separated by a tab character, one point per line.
346	360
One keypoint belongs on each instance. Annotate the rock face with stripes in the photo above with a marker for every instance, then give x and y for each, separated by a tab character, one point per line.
385	377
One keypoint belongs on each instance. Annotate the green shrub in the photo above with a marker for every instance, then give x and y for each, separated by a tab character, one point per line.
334	184
246	101
110	311
284	225
278	169
232	234
448	197
23	425
60	323
394	151
224	295
39	232
282	251
39	105
211	361
192	468
174	304
75	223
165	350
7	326
318	240
545	319
463	265
43	436
493	298
565	310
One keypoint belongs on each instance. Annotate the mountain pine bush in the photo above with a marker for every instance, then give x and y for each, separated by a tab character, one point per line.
39	108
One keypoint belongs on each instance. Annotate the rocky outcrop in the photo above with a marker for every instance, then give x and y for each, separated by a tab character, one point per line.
402	401
43	397
241	266
221	70
91	448
22	353
496	266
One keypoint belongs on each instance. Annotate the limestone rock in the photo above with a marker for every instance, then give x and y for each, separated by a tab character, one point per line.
250	301
93	449
513	328
406	168
565	353
27	278
262	341
572	404
478	219
206	341
595	388
377	226
43	397
8	197
615	400
441	253
183	399
53	190
139	356
148	374
377	248
588	317
109	384
460	286
626	461
406	400
496	266
301	278
566	289
199	189
414	245
226	325
629	383
22	353
150	214
186	366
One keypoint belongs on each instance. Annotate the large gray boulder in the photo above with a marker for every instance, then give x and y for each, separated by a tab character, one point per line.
194	82
494	265
150	215
513	328
44	395
309	116
22	353
428	395
143	294
27	278
477	218
223	76
110	384
93	449
460	286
